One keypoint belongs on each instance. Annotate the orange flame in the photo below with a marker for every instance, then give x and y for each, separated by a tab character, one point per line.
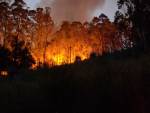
70	42
64	51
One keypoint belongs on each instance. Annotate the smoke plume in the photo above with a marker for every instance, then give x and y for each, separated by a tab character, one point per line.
72	10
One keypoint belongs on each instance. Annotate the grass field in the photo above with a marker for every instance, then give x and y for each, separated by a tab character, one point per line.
102	85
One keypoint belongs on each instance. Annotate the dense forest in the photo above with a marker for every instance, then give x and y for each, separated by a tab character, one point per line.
40	42
95	66
35	31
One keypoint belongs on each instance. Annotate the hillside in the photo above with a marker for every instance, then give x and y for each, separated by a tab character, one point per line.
96	85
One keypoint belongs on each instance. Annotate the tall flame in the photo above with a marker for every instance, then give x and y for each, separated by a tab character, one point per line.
65	46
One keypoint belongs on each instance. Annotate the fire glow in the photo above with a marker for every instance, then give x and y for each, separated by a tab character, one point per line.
72	41
76	40
66	46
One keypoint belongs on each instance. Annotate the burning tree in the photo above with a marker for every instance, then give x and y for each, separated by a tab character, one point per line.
42	26
4	19
74	39
14	28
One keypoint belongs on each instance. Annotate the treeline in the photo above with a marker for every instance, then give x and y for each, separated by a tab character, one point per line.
21	31
137	14
33	31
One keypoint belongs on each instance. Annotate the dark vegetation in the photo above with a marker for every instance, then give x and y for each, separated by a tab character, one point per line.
97	85
117	82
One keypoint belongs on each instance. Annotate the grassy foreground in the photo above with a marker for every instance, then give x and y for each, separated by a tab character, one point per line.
97	85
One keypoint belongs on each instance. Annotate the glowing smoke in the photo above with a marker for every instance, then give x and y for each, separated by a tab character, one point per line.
72	10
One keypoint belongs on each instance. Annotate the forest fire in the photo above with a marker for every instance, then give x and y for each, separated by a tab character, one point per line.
32	33
72	41
77	40
64	50
63	60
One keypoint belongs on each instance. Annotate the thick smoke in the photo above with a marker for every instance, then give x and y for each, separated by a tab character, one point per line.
72	10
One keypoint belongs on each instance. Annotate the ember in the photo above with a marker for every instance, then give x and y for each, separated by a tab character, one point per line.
4	73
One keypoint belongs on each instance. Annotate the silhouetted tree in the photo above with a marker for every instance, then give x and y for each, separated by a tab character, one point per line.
125	31
78	59
21	56
20	14
138	14
27	59
5	58
93	55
